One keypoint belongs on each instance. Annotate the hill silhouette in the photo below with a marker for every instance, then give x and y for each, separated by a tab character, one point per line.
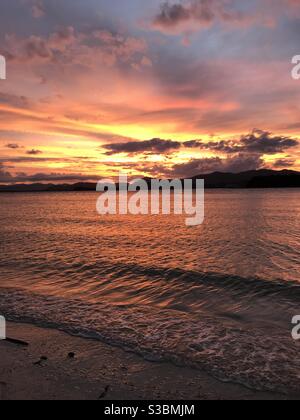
263	178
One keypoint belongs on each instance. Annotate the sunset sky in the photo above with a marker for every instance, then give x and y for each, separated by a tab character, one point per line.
147	87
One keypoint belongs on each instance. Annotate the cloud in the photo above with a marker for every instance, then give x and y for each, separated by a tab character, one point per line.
134	147
34	152
193	167
186	16
284	163
12	146
235	164
257	142
39	48
234	155
4	175
70	47
265	143
172	15
223	146
196	14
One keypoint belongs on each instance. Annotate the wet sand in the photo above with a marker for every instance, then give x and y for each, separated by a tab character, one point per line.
56	366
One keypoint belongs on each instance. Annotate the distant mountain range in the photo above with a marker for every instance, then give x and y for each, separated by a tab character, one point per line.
263	178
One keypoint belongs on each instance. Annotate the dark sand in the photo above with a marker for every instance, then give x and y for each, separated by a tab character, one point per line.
99	371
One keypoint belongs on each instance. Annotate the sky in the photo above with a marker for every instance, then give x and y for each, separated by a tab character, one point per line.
147	88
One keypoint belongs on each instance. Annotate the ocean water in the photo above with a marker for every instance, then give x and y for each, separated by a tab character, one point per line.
218	297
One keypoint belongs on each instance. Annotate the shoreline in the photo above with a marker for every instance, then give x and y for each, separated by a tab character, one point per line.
64	367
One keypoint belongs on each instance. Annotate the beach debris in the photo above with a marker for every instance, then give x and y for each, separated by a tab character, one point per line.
104	393
40	362
17	342
71	355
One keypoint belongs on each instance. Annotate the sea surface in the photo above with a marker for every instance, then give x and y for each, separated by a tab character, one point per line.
218	297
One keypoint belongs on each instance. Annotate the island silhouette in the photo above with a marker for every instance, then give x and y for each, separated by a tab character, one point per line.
264	178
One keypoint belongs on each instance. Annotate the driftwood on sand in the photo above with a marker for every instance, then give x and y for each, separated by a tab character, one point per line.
17	342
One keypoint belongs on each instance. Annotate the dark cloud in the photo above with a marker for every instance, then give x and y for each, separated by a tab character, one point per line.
135	147
284	163
196	166
257	142
223	146
265	143
242	154
235	164
34	152
203	13
12	146
172	14
242	162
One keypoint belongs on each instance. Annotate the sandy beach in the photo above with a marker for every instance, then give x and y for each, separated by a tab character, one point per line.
57	366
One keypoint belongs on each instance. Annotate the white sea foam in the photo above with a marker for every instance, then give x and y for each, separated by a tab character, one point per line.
260	358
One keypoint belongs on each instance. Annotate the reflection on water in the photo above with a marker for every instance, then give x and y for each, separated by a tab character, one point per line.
212	284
